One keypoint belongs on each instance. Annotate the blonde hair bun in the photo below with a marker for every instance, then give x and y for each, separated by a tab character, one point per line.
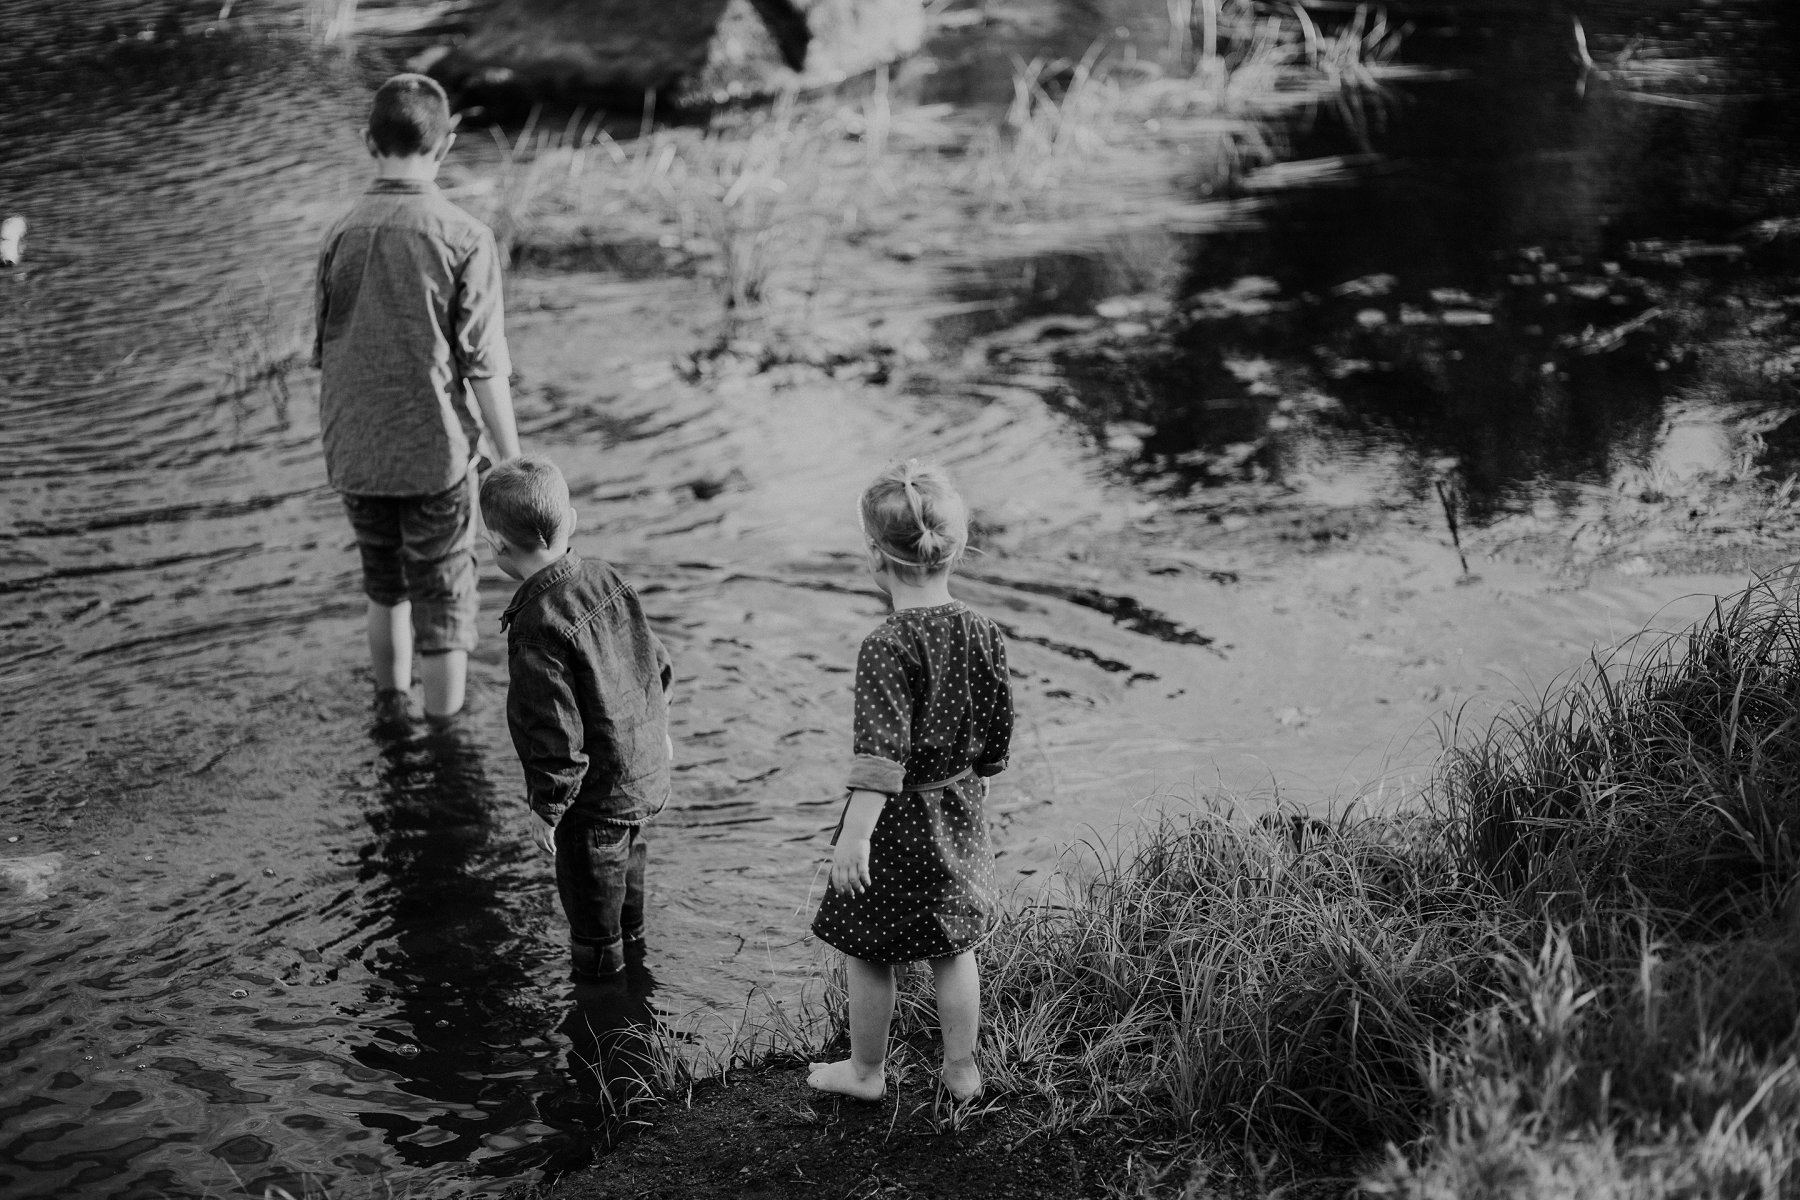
914	518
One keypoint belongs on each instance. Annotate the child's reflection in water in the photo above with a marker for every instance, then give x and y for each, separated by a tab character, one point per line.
613	1033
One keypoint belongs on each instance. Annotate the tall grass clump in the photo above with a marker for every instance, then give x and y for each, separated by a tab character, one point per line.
753	193
1241	53
1661	784
1231	983
1640	821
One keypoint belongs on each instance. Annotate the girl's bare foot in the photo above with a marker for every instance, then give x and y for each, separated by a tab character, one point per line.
847	1079
962	1079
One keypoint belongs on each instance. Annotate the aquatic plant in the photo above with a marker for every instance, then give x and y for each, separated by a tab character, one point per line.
326	20
757	197
743	193
257	341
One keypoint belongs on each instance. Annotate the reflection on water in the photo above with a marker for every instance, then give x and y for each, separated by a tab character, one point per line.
442	879
608	1027
1536	265
244	945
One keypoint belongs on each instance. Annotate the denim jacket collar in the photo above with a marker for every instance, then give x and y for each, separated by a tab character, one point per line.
540	583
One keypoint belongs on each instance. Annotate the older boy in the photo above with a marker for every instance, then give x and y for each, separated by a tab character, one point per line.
587	707
409	311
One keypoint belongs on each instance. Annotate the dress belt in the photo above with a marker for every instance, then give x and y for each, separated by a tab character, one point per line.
943	783
930	787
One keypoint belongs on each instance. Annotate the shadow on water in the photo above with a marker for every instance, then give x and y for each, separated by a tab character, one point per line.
467	1030
354	1001
436	873
611	1053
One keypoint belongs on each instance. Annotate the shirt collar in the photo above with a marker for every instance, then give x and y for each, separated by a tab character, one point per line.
416	187
539	583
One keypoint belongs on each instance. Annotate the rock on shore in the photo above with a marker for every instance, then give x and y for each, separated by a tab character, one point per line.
696	50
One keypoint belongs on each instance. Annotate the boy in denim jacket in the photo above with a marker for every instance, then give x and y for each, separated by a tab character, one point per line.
409	318
588	708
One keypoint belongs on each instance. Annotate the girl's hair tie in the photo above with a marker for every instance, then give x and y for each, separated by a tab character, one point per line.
914	518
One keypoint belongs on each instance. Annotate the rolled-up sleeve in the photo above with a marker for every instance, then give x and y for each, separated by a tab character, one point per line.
546	728
883	734
996	741
665	669
480	333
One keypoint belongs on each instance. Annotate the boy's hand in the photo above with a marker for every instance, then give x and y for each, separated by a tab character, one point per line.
850	866
543	833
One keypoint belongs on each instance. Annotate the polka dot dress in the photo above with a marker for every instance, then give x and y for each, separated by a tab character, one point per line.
933	720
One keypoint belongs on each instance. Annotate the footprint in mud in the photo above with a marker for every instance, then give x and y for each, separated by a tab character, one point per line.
32	874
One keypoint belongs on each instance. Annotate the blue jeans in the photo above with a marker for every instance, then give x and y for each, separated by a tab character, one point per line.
600	876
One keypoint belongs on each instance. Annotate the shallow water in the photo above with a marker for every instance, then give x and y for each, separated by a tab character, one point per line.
244	943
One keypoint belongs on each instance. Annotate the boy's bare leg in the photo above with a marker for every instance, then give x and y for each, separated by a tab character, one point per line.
391	645
446	676
958	982
864	1074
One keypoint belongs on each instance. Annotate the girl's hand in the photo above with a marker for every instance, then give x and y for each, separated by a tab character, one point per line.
850	866
850	857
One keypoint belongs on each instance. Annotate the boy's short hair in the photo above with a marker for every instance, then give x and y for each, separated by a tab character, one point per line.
411	115
526	501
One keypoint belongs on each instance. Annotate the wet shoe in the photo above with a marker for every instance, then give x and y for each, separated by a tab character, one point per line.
585	977
590	963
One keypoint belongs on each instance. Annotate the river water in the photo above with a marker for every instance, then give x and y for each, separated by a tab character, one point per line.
244	943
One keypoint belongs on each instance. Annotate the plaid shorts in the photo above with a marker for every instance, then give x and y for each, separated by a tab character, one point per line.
422	549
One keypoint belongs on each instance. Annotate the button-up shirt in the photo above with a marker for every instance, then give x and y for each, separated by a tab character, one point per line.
408	310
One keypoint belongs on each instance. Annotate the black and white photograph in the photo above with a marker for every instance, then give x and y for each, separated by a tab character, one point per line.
899	599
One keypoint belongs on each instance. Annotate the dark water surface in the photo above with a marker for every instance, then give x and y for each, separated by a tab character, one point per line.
243	944
1550	272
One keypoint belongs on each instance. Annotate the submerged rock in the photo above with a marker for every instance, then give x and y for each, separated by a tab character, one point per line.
32	874
696	50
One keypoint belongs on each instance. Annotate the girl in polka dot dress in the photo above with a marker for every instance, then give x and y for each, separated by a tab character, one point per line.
912	874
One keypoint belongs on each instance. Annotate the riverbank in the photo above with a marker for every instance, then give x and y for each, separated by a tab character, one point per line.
1285	616
759	1133
1573	967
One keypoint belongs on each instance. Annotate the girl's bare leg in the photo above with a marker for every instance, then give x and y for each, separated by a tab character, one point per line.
958	982
862	1075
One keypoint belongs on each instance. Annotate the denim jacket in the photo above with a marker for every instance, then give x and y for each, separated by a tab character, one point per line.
588	706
